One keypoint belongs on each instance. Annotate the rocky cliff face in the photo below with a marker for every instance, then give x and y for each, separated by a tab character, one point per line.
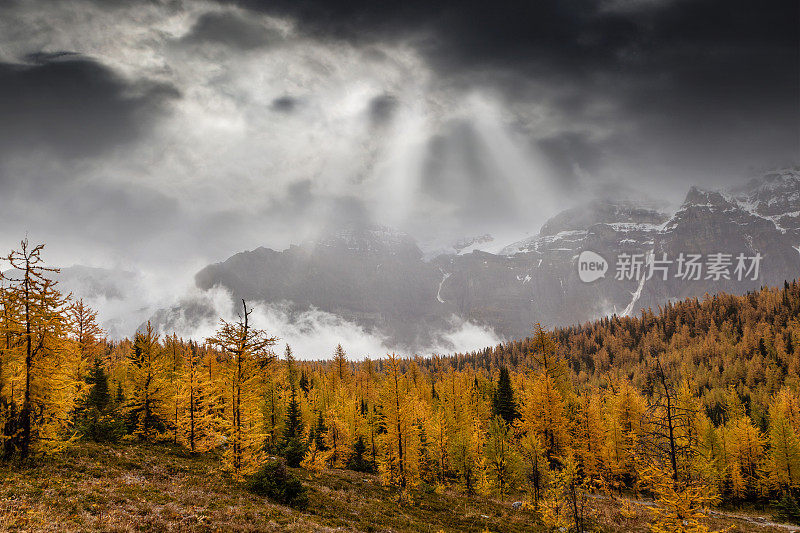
381	280
711	222
373	276
774	197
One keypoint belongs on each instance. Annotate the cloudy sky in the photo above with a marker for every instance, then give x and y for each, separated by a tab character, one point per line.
166	135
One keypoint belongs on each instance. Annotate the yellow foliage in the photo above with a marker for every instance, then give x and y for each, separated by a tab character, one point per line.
679	505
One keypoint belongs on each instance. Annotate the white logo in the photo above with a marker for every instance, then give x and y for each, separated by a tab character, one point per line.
591	266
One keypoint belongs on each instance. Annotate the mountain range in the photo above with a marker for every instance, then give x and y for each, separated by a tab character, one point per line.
382	281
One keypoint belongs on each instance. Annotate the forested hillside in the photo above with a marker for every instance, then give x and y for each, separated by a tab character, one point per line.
722	344
693	406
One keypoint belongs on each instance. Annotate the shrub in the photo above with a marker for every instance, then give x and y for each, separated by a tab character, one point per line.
787	509
100	427
274	481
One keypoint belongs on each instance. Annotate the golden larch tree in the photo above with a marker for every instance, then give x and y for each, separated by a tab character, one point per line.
399	447
784	440
248	353
195	402
148	405
37	326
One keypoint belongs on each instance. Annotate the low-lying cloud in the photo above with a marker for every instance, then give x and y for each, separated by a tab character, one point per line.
312	333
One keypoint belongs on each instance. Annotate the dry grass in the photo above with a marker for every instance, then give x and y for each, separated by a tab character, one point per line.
164	488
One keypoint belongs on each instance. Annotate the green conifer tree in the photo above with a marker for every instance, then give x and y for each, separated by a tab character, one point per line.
97	417
503	403
294	449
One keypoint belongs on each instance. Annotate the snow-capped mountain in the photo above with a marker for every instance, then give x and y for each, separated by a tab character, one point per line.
381	280
569	227
775	197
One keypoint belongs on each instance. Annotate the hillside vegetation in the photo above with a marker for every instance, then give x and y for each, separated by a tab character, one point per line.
162	487
621	424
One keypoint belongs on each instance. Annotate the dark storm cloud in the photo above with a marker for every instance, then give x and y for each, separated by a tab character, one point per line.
569	36
73	105
284	104
381	109
231	29
703	80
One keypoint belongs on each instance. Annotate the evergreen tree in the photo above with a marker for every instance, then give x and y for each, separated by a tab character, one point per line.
787	509
357	460
503	403
275	482
97	417
320	430
425	459
99	395
304	385
273	417
294	448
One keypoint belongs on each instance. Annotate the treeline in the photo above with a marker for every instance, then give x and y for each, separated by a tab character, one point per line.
692	405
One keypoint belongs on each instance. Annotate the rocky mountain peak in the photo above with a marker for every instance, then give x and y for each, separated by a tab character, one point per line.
602	212
699	197
567	230
774	196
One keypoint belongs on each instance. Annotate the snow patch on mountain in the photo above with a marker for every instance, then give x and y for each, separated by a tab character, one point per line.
445	275
774	197
539	243
636	295
463	246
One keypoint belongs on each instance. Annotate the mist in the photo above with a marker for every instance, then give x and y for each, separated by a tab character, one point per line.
313	334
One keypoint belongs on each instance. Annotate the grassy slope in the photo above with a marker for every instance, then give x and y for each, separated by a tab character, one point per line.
157	488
